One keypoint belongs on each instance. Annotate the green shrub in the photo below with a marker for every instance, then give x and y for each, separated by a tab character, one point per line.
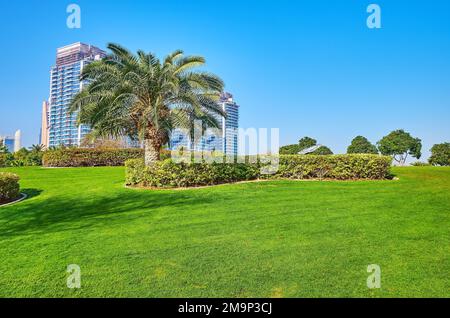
21	158
339	167
420	164
34	158
6	159
167	174
9	187
86	157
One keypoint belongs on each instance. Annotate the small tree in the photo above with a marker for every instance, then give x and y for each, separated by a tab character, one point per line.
323	151
399	144
290	150
21	154
360	144
306	142
440	155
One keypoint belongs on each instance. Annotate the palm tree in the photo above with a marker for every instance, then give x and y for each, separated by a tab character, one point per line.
143	98
37	148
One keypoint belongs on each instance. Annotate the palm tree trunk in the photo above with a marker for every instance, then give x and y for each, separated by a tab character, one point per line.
152	154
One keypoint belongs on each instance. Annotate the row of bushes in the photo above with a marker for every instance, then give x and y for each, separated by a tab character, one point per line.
9	187
17	160
86	157
338	167
167	174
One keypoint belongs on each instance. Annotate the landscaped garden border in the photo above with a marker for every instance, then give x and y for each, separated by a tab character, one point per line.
89	157
23	196
168	174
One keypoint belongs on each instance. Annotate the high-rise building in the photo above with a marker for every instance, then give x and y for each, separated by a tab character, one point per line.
43	138
224	140
230	125
17	140
13	144
64	84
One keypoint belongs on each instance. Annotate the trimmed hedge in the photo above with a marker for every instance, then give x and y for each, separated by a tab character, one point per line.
338	167
87	157
167	174
9	187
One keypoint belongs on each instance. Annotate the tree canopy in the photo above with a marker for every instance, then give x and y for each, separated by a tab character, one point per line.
361	144
290	149
322	151
144	98
399	144
440	155
305	143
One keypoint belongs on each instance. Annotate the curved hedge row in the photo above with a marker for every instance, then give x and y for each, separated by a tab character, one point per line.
86	157
9	187
167	174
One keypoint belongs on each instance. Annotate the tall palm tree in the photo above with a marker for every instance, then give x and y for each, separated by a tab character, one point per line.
144	98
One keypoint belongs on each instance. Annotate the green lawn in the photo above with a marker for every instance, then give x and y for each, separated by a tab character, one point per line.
270	239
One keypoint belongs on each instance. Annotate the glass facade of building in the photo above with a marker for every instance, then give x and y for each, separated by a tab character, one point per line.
223	140
13	144
9	144
64	84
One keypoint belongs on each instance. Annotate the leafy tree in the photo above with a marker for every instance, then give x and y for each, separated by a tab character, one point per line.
21	154
290	149
3	149
399	144
144	98
305	143
360	144
440	155
34	157
323	150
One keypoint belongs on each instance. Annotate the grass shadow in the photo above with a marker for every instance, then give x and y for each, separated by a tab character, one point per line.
63	213
31	193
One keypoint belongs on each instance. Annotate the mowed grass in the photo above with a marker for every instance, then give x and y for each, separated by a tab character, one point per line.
268	239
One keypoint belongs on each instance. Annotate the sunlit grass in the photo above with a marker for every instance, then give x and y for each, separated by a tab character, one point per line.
268	239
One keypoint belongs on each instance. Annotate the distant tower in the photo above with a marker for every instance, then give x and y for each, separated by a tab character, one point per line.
17	141
64	84
230	125
44	125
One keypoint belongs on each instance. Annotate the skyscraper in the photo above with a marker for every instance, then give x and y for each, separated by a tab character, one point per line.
224	140
230	125
64	84
43	138
13	144
17	140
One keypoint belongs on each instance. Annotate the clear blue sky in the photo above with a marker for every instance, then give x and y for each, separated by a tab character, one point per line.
307	67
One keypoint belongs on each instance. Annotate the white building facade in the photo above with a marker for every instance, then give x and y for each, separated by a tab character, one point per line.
65	82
